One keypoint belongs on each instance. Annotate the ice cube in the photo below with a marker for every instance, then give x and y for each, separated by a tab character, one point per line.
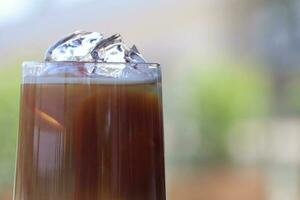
93	47
108	57
74	47
109	50
133	55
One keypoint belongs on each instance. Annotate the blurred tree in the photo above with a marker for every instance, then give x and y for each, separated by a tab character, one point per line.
276	37
222	94
9	106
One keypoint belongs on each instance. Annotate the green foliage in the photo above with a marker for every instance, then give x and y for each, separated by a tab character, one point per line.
9	109
290	96
222	94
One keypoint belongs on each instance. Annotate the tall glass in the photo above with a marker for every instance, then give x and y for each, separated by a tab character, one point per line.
86	137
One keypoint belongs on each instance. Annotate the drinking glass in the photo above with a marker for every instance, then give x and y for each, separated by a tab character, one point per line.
90	131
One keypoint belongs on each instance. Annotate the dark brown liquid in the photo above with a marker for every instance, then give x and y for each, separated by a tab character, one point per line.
90	141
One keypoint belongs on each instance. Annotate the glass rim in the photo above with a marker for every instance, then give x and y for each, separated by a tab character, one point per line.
26	63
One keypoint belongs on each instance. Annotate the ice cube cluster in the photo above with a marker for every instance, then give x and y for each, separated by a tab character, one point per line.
89	56
83	46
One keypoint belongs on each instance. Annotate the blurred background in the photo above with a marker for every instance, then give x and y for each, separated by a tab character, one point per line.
231	85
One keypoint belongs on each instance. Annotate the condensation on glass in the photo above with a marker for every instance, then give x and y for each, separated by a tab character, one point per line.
85	137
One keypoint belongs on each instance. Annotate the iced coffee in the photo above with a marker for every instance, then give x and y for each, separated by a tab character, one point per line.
91	123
